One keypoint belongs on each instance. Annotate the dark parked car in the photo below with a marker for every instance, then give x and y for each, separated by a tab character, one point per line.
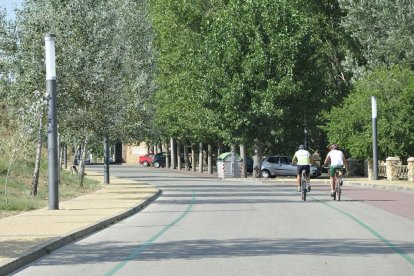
158	160
280	165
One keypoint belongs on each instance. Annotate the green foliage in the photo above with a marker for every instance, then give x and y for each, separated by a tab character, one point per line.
384	29
350	124
233	71
104	67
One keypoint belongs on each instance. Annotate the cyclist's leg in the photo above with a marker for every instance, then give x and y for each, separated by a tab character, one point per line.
298	178
332	179
307	172
340	173
339	170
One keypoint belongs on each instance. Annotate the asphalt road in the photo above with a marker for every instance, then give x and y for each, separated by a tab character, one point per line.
204	226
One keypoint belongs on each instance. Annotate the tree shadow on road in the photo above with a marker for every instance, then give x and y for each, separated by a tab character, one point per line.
211	248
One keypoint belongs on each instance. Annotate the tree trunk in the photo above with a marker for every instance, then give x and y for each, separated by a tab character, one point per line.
209	159
244	164
65	155
178	155
167	156
73	166
193	158
172	153
257	158
200	158
35	181
106	160
82	162
186	158
219	150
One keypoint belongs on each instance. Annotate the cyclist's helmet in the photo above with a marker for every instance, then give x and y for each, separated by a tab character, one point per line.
301	147
334	146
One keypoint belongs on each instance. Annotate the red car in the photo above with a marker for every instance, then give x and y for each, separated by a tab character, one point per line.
145	159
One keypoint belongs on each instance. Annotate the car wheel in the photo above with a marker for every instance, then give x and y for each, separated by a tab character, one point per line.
266	174
145	163
157	164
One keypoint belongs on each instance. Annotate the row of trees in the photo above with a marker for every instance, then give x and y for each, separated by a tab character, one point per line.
266	74
270	74
248	72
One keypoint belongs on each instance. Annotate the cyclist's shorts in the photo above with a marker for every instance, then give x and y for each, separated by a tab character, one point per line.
304	167
332	169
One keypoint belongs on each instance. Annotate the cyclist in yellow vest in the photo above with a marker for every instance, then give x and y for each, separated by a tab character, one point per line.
303	159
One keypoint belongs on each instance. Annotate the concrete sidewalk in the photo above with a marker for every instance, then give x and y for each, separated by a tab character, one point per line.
31	235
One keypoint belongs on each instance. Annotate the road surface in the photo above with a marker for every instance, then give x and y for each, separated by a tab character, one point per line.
204	226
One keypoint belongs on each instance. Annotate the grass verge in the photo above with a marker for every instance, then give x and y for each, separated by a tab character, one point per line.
15	196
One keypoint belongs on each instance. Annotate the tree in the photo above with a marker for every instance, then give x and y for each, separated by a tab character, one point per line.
103	67
350	124
266	79
270	77
384	30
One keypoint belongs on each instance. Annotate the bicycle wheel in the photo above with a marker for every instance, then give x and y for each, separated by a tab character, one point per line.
303	186
338	189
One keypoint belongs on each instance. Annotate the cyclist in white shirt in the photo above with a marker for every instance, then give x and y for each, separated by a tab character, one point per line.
303	159
337	160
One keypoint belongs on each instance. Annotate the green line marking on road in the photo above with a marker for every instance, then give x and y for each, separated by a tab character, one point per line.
149	242
373	232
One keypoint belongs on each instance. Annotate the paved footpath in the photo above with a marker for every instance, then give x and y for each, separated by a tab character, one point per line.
31	235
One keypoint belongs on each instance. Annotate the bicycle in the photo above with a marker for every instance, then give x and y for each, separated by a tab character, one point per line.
338	183
303	183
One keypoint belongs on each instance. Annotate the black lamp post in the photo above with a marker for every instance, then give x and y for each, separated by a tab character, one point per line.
52	146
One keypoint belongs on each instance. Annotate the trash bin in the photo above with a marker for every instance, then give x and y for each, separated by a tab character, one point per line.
229	165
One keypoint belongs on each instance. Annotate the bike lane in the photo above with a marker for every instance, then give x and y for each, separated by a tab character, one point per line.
395	202
386	214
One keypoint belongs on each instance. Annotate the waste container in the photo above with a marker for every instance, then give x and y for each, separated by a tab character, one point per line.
229	164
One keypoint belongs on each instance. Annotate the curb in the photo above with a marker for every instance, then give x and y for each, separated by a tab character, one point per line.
47	247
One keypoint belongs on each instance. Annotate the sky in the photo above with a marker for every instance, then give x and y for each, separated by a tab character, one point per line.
9	5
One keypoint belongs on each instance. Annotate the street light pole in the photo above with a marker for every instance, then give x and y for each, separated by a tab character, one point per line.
374	137
52	148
